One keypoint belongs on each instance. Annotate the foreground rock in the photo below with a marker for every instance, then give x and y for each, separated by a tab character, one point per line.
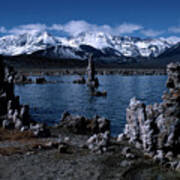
99	142
156	128
83	125
59	160
13	115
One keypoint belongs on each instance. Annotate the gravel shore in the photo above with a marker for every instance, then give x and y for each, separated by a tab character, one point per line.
77	163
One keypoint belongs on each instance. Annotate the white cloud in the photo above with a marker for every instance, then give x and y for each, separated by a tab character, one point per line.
56	27
76	27
30	28
175	29
3	29
128	28
151	33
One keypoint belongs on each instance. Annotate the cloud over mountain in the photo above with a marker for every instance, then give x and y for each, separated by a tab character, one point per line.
174	29
77	27
151	33
3	29
29	28
74	28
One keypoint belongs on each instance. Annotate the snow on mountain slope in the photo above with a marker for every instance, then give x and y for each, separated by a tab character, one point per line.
172	40
64	47
96	40
152	47
127	46
26	43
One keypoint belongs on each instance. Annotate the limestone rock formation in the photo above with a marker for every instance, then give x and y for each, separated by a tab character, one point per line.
13	115
156	128
98	93
9	103
92	81
40	80
83	125
22	79
98	142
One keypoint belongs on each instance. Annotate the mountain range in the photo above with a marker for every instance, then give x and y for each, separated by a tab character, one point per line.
105	47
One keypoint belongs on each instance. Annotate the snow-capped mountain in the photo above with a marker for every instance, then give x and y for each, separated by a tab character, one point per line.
126	46
26	43
101	44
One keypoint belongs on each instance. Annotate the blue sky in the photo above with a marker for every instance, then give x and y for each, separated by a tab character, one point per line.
142	18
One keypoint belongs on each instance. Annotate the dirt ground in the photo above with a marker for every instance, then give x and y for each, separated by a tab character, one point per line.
25	158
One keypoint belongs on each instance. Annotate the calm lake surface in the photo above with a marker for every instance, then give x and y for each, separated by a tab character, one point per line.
48	101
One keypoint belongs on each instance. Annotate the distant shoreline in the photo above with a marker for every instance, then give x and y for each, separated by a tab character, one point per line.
82	71
30	65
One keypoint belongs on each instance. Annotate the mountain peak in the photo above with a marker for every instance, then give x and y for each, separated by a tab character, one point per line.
104	43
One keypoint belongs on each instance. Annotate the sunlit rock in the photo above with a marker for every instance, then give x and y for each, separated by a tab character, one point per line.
98	142
156	128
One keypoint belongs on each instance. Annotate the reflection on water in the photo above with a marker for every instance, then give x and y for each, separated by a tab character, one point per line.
48	101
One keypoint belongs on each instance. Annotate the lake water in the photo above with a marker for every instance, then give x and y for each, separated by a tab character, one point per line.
48	101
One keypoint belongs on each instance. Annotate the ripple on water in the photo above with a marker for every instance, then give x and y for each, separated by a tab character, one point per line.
48	101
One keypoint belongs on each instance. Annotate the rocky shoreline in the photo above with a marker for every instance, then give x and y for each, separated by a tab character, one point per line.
99	71
83	148
155	128
72	153
40	159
